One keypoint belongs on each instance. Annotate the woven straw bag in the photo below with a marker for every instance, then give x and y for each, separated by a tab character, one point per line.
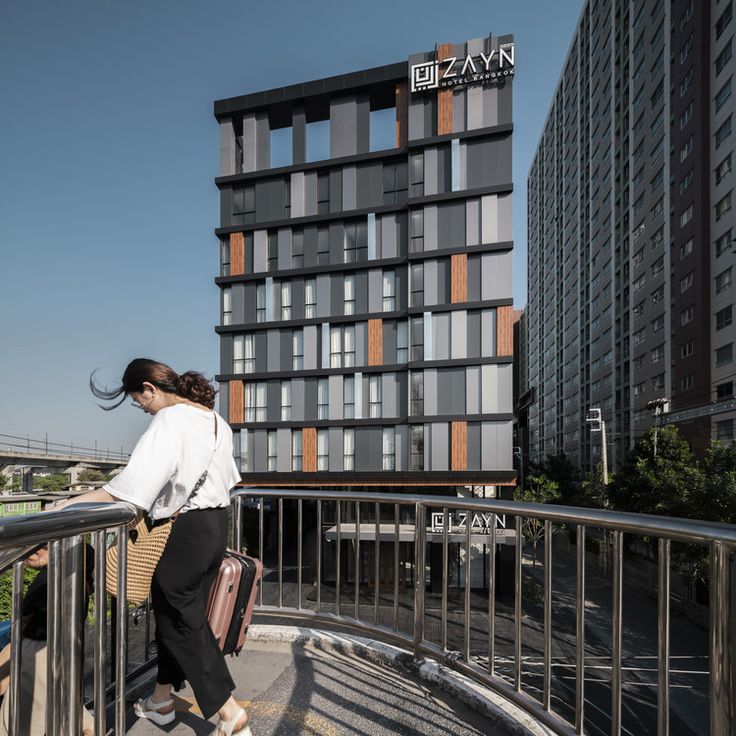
145	547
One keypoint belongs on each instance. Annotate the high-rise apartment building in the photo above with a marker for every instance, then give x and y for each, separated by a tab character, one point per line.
631	253
366	332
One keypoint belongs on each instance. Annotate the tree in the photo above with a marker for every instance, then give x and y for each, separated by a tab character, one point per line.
540	488
92	475
559	470
52	483
665	483
4	482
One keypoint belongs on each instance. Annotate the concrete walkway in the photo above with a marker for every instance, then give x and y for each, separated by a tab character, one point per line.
289	688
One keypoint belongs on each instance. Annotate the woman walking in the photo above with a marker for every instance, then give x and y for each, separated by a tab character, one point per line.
182	467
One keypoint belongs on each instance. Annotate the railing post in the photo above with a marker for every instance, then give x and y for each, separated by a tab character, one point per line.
15	648
420	523
100	612
53	639
121	625
238	524
722	620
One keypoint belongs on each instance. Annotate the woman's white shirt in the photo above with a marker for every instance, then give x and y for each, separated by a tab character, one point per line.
170	457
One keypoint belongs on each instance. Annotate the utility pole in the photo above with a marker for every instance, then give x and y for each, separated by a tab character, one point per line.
659	407
598	424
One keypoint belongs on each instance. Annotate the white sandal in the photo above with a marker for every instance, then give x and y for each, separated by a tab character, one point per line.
226	728
146	708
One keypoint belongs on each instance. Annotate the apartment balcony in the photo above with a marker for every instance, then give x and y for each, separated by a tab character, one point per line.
397	613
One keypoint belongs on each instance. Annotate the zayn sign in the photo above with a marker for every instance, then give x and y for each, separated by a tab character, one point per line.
454	71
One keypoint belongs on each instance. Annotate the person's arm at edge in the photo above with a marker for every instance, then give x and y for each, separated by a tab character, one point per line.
99	495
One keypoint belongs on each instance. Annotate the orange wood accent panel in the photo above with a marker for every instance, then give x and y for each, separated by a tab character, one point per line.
459	450
504	331
444	96
237	253
375	342
402	114
309	450
236	408
459	278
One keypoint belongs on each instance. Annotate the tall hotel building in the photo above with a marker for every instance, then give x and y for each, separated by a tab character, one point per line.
366	334
631	254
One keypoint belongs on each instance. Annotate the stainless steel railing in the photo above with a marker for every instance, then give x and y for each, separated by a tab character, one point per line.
260	523
64	531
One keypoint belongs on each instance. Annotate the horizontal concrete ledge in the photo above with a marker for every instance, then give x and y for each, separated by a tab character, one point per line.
496	708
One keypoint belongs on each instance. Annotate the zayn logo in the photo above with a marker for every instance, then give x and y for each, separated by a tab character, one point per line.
425	76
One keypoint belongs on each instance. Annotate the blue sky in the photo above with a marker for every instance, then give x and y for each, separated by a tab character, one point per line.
108	154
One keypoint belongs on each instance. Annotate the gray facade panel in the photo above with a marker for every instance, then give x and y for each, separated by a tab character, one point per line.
430	392
390	395
474	334
430	227
323	295
310	399
298	409
249	143
310	193
451	392
273	401
440	446
310	347
472	222
343	127
389	233
335	397
361	292
496	275
238	305
375	290
361	343
284	248
430	283
431	179
389	342
441	336
450	225
227	149
283	450
337	295
261	348
488	333
459	334
259	455
349	188
273	350
472	389
335	449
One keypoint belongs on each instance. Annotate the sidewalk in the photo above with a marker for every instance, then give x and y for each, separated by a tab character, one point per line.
289	688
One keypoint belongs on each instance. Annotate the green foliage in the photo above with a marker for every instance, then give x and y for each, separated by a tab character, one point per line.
4	482
53	483
92	475
559	470
593	492
6	590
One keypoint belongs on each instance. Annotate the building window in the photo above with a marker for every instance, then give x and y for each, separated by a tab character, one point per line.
374	397
323	193
310	298
723	169
686	216
723	280
639	388
389	451
686	115
686	48
297	249
658	354
273	251
244	206
723	94
658	295
255	402
416	231
296	449
285	401
335	347
417	338
416	175
639	283
297	350
686	15
227	306
686	149
323	246
724	390
395	183
261	303
687	382
657	208
417	285
285	300
389	291
724	317
348	395
348	346
723	243
271	441
686	249
638	309
244	360
348	449
724	20
723	207
687	349
402	342
416	447
658	382
687	315
348	287
724	430
640	336
225	257
416	396
686	182
686	82
724	354
658	266
323	399
723	58
658	324
323	450
723	132
355	241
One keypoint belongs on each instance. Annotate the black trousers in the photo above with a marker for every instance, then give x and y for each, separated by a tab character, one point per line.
187	649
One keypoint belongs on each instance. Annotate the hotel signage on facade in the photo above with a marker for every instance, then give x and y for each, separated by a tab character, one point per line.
454	71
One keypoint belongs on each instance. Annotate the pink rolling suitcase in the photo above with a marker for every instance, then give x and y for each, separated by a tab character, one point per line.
232	599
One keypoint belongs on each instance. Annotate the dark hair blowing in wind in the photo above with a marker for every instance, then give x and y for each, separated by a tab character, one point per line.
190	385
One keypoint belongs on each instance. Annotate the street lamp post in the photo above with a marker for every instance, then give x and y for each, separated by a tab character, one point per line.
658	406
598	424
